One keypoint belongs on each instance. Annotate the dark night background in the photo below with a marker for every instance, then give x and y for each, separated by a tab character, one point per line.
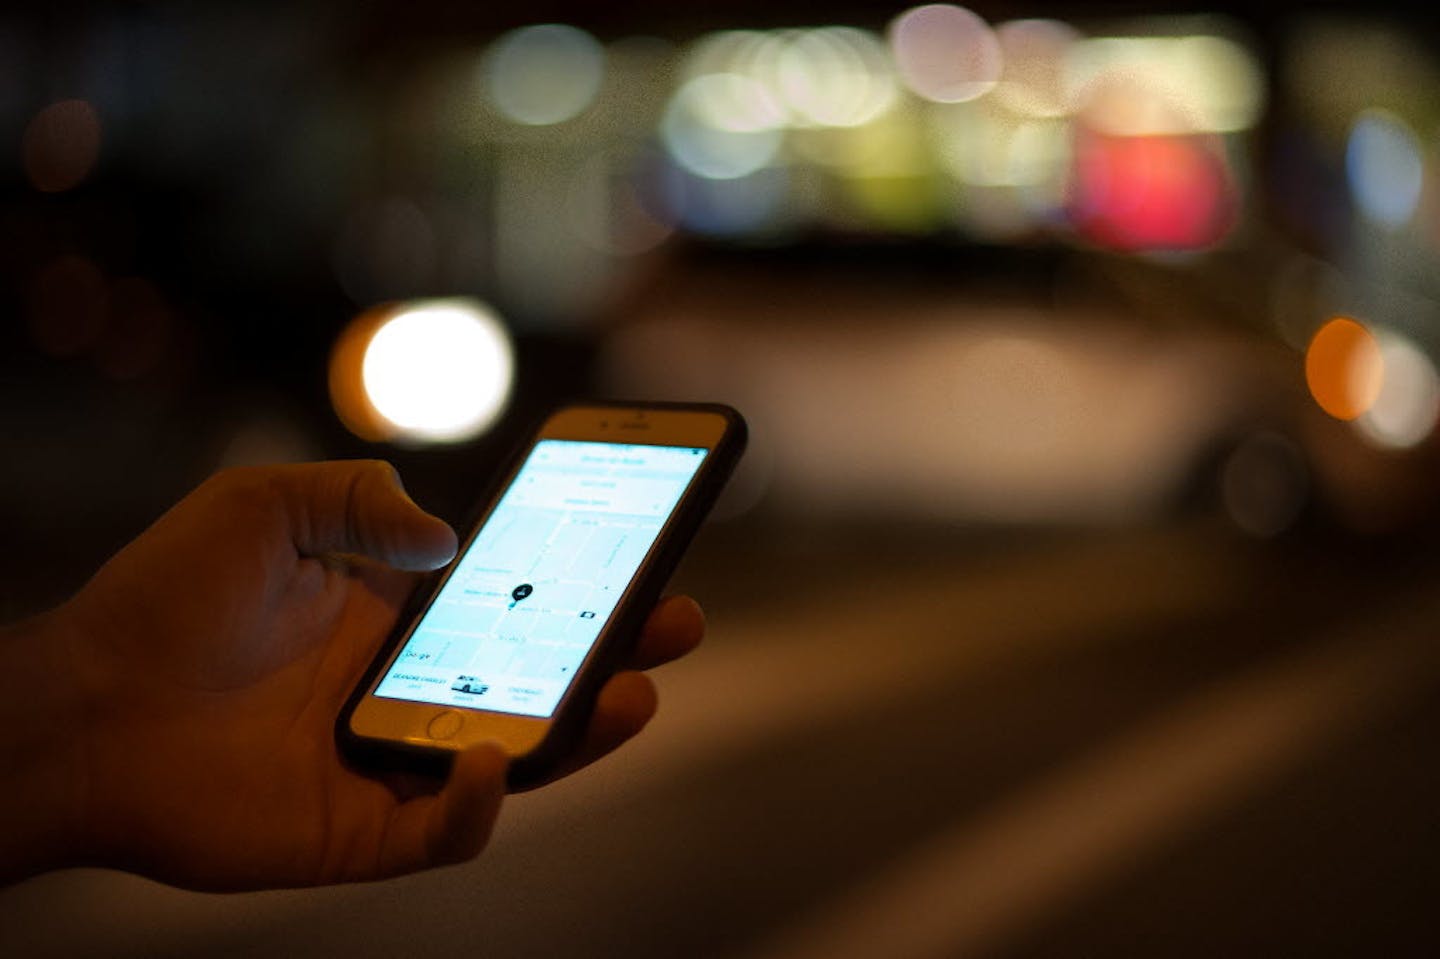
1050	614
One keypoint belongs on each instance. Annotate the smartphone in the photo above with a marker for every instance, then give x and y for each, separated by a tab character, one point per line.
548	591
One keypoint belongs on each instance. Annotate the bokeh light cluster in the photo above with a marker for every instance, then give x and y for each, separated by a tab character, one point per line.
544	168
1381	380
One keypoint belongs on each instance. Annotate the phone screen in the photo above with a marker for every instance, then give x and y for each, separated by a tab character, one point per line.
526	601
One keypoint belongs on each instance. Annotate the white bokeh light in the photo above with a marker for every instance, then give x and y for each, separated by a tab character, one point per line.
723	126
945	53
544	74
836	77
730	51
439	370
1405	410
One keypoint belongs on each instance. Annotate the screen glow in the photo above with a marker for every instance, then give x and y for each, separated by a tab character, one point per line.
527	599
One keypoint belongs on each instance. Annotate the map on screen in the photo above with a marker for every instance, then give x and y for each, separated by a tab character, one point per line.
531	594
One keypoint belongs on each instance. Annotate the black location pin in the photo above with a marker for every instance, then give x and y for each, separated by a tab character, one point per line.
520	592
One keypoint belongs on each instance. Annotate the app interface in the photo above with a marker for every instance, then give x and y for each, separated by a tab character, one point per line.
527	600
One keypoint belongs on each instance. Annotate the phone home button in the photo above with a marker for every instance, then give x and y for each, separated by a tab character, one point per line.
444	725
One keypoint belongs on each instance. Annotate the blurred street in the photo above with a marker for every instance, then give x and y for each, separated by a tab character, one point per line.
1164	742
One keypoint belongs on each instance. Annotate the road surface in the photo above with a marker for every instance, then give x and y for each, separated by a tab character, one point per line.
1161	741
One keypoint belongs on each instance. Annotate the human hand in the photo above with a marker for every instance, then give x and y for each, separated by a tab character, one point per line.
210	657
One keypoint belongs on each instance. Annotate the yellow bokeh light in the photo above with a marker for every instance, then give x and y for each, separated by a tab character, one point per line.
744	52
984	144
722	126
1344	368
835	77
1156	86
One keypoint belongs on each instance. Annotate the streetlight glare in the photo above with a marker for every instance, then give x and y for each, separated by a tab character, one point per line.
431	371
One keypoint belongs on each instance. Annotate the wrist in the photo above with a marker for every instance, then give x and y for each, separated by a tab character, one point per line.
44	718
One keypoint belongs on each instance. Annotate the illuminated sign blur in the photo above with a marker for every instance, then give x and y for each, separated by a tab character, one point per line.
940	122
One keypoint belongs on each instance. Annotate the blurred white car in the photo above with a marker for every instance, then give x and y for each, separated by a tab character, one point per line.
942	408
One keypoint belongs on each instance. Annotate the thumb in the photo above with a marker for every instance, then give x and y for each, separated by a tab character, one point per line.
359	506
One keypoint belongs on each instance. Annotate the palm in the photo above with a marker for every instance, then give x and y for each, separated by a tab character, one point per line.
243	725
221	671
220	647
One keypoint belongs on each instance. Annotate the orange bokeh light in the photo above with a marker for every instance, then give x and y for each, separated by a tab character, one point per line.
347	388
1344	368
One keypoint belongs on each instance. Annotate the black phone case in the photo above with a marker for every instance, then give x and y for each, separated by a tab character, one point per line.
577	705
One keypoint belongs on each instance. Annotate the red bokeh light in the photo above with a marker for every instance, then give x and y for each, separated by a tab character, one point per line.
1152	192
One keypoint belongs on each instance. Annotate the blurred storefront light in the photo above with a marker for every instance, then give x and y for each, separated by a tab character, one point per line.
897	204
1126	134
745	52
986	144
835	77
1150	86
1032	81
430	371
544	74
1385	167
1344	368
892	144
945	53
732	102
722	126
